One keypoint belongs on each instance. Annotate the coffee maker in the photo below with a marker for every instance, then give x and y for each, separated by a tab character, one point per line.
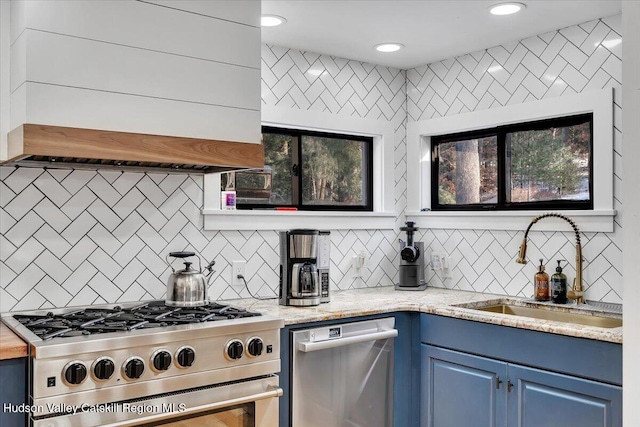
411	262
299	281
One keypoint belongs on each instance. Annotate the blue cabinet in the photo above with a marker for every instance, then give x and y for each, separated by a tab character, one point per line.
549	399
460	389
458	373
479	379
13	380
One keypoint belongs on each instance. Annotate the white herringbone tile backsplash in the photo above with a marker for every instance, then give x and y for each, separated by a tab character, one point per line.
575	59
79	237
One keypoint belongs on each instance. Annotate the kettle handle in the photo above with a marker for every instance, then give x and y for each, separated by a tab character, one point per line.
181	254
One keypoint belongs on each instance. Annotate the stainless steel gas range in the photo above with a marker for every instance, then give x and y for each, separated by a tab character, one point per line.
149	364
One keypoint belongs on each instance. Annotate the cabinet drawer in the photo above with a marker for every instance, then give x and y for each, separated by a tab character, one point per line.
596	360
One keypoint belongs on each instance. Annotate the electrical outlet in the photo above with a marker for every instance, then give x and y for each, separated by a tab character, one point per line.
446	268
436	261
238	267
356	266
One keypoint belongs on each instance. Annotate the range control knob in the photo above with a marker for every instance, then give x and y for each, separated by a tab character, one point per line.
103	369
234	349
134	368
161	360
185	357
75	373
255	346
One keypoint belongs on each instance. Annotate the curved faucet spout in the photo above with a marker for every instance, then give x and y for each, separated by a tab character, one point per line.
577	292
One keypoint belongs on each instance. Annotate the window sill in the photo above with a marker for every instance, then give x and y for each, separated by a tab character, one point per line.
587	221
283	220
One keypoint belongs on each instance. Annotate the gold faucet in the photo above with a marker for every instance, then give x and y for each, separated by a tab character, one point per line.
577	292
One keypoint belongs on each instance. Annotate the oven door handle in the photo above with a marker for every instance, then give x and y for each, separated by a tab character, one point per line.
307	347
272	392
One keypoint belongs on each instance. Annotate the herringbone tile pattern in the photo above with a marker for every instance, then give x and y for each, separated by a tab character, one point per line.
575	59
76	238
572	60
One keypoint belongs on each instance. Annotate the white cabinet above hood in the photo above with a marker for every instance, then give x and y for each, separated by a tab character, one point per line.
124	83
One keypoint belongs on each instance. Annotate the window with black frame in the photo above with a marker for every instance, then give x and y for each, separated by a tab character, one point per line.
538	165
307	170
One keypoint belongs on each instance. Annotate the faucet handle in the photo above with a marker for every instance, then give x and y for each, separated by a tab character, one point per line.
573	294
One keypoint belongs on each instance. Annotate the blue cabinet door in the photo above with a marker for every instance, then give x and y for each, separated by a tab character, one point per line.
13	380
461	390
548	399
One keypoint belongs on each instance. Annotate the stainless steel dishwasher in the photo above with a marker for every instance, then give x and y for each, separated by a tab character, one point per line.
342	375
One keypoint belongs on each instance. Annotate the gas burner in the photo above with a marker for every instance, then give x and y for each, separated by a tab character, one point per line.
92	313
153	314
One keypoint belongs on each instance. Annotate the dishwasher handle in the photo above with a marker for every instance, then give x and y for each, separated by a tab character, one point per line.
307	347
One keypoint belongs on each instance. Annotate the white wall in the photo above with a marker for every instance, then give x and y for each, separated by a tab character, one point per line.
631	252
575	59
5	15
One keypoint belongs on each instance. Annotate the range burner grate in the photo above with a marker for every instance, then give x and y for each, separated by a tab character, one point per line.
154	314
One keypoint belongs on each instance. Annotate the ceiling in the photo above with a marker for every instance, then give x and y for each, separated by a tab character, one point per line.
431	30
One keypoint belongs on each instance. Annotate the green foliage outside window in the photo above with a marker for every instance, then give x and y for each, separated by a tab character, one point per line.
544	162
307	170
332	171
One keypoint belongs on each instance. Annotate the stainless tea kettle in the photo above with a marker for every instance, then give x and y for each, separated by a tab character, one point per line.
188	287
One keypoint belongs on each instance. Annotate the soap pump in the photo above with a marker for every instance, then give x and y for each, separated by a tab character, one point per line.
541	284
558	285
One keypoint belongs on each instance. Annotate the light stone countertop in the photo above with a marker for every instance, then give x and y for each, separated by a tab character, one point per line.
366	301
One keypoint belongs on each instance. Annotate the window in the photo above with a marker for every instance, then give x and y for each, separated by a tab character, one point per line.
537	165
308	171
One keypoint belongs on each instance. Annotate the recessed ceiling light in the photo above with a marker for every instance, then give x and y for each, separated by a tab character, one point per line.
506	8
271	20
388	47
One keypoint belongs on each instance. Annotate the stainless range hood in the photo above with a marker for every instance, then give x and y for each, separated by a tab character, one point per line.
64	147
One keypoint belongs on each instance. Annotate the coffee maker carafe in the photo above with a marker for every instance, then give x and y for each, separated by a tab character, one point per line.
299	284
411	262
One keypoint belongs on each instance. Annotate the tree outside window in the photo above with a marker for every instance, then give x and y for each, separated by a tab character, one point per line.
545	164
308	171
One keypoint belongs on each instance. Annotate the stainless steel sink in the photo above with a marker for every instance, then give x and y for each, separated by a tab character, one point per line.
600	320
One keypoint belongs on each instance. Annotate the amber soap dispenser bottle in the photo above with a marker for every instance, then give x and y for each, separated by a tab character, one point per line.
541	284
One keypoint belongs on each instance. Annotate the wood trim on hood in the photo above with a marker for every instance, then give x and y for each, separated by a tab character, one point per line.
57	146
